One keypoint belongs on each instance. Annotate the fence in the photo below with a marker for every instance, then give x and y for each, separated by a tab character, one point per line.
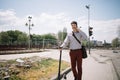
45	43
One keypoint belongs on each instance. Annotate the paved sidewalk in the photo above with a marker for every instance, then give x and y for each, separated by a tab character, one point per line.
96	68
111	55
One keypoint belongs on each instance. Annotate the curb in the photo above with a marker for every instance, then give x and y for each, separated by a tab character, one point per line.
118	76
62	75
113	64
19	52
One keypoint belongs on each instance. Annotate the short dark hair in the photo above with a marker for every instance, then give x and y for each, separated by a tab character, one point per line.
74	22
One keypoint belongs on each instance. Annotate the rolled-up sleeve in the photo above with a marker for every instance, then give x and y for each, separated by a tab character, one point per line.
66	42
84	36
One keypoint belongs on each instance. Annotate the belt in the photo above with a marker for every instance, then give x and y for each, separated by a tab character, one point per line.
75	49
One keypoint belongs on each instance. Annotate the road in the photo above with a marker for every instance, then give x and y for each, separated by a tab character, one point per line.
95	67
48	53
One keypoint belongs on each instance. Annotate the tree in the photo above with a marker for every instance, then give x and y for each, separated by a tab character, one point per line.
115	42
22	38
62	34
13	37
48	36
49	40
5	39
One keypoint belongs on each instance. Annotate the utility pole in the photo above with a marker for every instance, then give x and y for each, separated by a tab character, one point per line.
88	7
29	25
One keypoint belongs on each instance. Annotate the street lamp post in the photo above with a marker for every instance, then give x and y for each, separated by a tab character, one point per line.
29	25
88	7
43	44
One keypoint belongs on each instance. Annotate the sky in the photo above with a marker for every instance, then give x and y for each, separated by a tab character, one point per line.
51	16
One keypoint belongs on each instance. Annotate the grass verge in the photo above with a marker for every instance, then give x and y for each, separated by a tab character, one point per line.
41	69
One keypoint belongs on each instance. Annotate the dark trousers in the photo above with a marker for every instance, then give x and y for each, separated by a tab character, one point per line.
76	63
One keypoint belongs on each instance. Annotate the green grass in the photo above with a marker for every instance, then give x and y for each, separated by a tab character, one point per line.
43	69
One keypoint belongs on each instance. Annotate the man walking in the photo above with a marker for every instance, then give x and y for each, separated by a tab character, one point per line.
75	49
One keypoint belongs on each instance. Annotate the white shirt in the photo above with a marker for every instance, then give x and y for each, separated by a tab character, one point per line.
72	42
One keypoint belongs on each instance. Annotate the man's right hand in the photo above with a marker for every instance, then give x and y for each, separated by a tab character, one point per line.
60	48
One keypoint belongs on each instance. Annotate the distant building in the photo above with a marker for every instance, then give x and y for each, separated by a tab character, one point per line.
97	43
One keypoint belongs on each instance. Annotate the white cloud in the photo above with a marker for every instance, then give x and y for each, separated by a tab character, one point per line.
52	23
106	30
9	20
7	16
45	23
